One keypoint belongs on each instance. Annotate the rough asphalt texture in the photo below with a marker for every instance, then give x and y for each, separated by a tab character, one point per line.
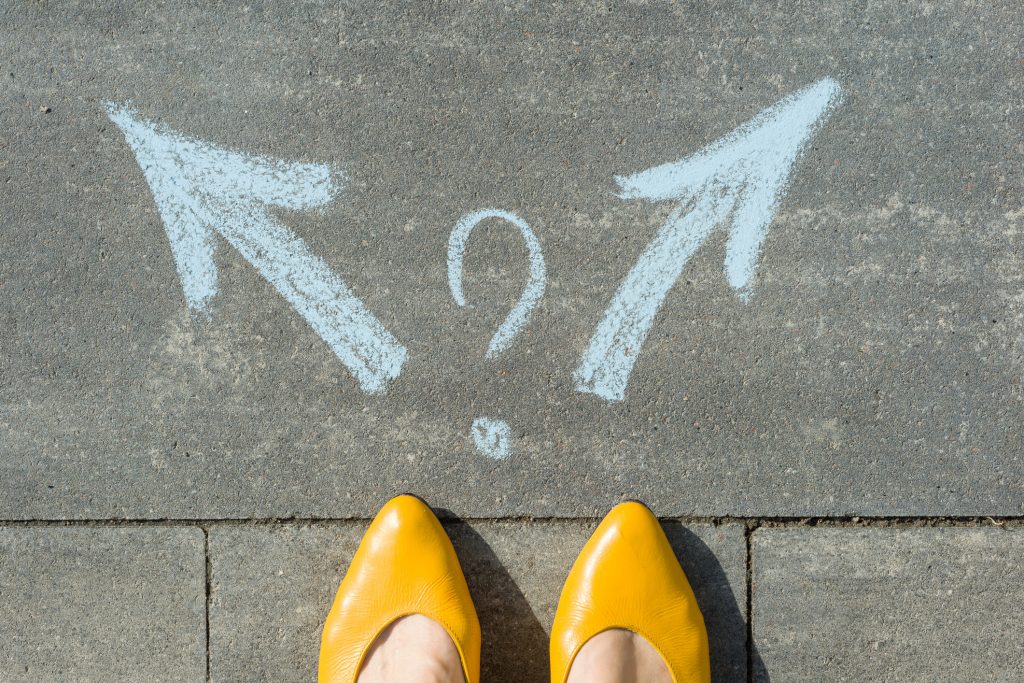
877	368
877	371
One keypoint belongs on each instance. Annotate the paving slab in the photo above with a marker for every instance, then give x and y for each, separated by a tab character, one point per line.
102	605
273	585
872	365
883	604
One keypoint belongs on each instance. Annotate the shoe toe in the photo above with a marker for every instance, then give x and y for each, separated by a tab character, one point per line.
404	565
627	576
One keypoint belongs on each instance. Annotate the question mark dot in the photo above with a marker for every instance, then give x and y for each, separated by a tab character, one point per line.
492	437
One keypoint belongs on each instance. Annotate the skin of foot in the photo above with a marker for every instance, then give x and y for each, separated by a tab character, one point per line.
413	649
618	656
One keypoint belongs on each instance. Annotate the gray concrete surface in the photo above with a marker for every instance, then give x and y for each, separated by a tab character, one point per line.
272	587
876	370
926	604
102	605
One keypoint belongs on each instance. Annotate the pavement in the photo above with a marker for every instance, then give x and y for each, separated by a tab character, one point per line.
229	330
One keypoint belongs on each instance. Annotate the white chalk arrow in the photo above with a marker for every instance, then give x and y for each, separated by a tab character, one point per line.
737	181
201	190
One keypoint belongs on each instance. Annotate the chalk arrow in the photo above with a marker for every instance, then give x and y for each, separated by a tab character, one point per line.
737	181
201	190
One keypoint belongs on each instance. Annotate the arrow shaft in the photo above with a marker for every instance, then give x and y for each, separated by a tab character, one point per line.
359	340
738	179
608	361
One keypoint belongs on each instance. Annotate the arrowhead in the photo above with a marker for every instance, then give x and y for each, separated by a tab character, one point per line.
750	167
199	188
738	180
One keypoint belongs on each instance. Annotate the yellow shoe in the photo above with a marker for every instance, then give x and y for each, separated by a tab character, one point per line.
628	577
405	565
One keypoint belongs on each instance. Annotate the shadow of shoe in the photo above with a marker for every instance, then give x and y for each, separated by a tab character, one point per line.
515	640
515	645
725	621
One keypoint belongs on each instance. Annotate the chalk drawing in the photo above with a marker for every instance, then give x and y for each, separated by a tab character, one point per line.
492	437
738	180
201	190
534	290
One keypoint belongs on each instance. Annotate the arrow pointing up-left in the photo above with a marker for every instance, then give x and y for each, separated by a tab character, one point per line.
201	189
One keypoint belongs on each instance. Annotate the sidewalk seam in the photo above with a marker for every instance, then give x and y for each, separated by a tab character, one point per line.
209	579
757	522
748	539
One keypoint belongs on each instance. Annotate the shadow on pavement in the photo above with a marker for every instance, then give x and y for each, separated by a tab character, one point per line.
515	645
727	627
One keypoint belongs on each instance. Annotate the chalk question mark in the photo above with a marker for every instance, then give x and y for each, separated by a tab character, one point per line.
492	436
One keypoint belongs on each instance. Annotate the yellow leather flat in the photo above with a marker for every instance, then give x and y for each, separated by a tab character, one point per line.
627	577
404	565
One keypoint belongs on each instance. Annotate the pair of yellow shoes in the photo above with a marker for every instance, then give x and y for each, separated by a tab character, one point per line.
626	577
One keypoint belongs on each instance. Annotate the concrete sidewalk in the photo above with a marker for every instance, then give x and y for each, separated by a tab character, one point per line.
240	601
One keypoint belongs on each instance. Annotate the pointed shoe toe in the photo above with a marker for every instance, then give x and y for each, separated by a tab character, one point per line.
404	565
627	577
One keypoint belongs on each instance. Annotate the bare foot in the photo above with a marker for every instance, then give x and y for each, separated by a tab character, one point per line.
413	649
618	656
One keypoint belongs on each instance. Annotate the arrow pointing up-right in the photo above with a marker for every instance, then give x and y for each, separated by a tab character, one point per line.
737	180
